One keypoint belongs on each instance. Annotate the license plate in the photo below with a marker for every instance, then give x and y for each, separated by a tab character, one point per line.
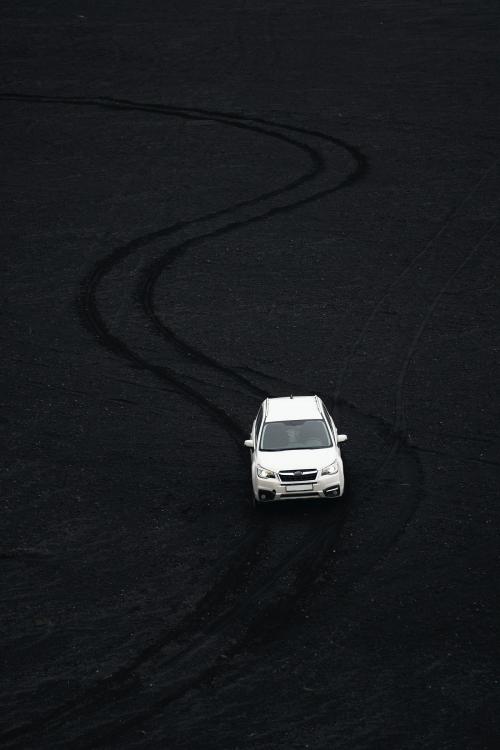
299	488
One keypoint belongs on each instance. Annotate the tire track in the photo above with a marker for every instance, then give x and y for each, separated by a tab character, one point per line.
305	574
310	552
117	346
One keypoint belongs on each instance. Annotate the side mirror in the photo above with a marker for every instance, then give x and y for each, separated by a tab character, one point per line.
249	443
341	438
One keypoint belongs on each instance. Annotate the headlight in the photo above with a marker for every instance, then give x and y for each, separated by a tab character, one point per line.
265	473
331	469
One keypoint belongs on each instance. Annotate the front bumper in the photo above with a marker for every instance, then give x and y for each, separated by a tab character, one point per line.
273	490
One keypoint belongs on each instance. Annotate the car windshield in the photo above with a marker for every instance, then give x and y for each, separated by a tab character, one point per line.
295	435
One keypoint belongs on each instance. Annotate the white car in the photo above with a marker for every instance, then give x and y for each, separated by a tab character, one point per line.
295	451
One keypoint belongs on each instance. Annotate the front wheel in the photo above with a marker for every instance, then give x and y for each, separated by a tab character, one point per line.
254	502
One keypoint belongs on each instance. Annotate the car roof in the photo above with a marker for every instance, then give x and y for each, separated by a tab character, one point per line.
293	407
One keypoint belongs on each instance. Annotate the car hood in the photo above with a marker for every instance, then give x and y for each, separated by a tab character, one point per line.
298	459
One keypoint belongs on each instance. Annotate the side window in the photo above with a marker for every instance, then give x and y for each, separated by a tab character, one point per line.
258	422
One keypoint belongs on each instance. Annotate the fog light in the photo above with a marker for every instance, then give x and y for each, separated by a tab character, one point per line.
266	494
333	491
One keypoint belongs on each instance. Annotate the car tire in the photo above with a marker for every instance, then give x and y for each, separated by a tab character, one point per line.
345	494
255	503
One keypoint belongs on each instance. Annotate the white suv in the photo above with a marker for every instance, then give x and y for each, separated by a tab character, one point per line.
295	451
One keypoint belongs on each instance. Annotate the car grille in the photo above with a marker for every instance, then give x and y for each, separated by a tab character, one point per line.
301	475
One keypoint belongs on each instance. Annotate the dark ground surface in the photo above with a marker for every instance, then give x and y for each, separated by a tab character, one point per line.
205	203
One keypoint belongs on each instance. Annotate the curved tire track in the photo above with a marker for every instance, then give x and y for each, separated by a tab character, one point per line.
116	345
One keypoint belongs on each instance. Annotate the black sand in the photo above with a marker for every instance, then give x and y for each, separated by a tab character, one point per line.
208	203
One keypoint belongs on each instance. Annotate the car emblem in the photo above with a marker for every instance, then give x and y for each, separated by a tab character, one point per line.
297	474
